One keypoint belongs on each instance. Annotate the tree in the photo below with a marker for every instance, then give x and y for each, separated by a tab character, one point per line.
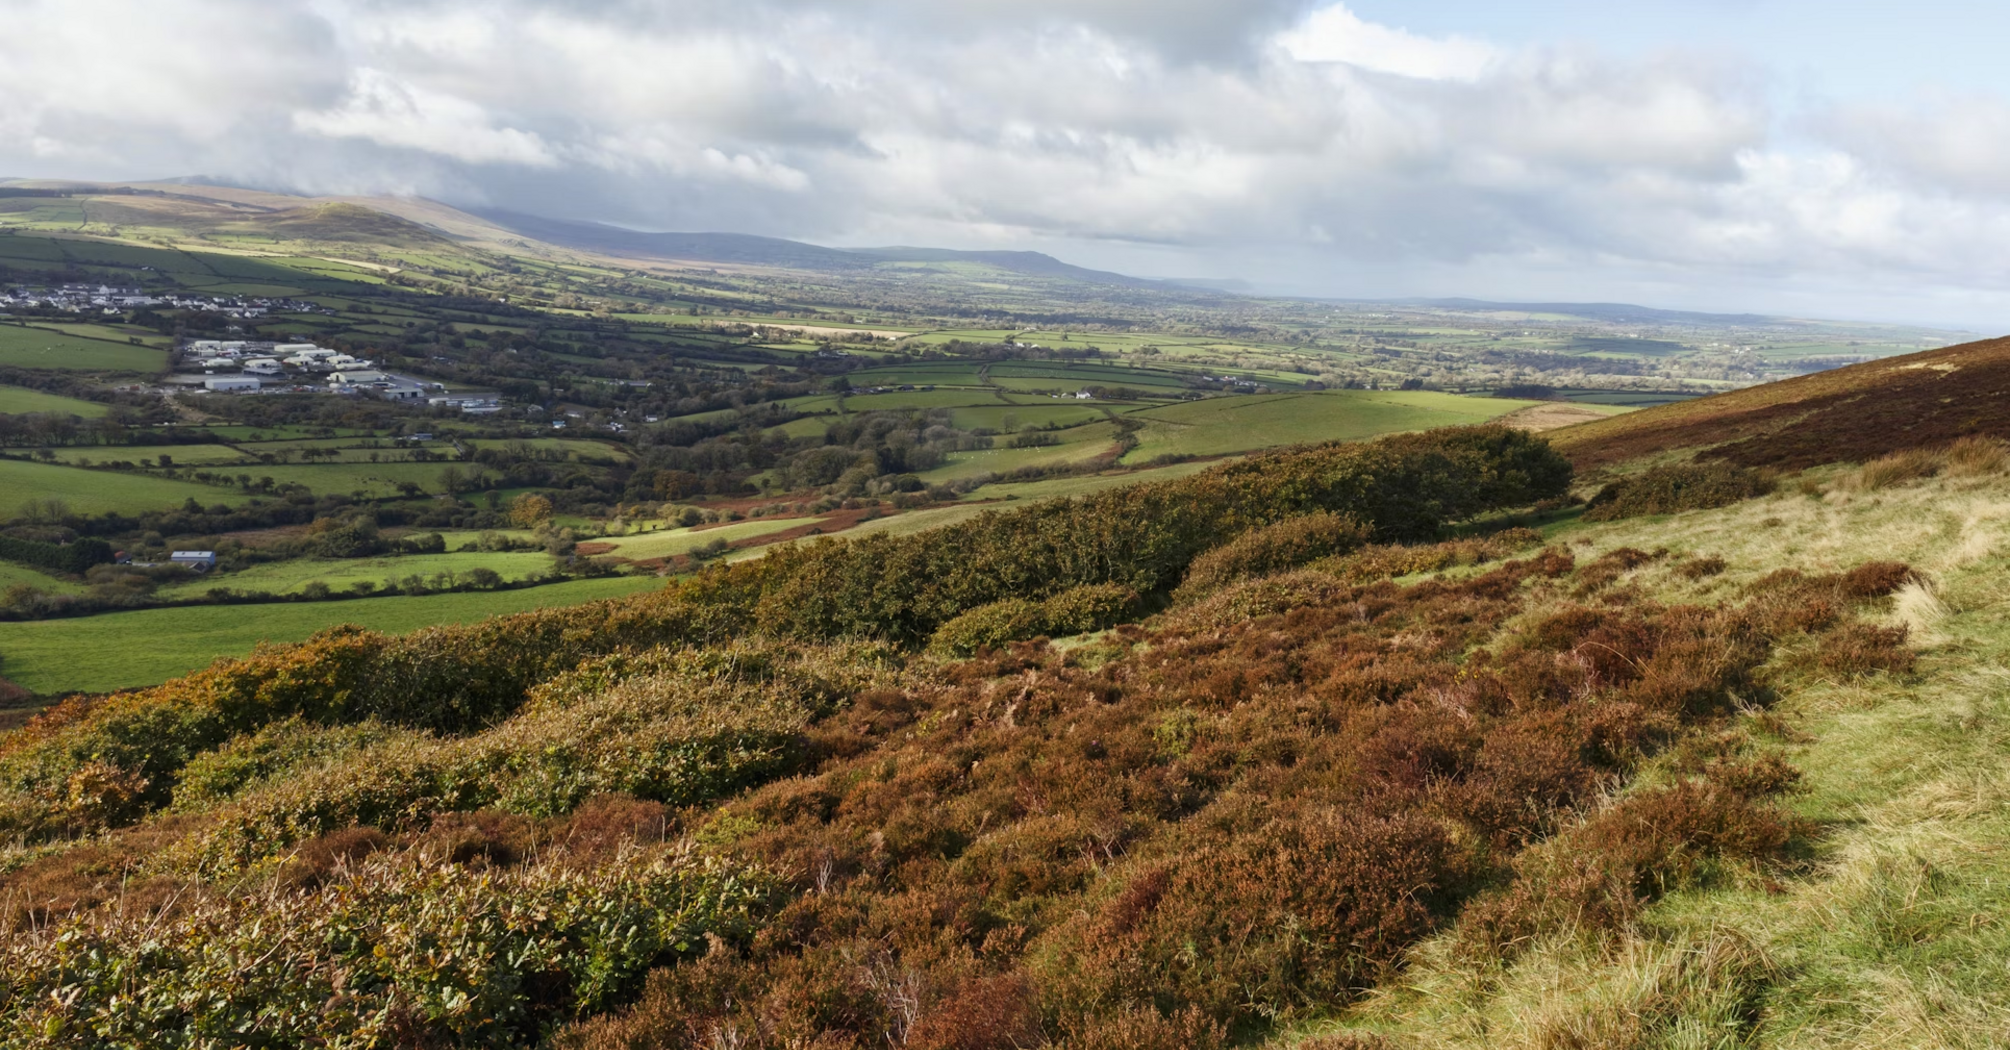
529	510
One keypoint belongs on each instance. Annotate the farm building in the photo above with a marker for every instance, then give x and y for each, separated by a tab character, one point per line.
264	366
195	561
310	357
230	384
353	378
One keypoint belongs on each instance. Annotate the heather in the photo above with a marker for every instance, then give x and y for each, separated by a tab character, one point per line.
1298	741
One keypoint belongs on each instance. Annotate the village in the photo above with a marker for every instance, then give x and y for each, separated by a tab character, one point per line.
242	366
109	299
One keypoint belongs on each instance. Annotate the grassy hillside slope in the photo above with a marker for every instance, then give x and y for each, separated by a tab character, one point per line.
1889	923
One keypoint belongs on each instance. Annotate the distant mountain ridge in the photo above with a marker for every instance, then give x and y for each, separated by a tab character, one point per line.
1621	313
751	250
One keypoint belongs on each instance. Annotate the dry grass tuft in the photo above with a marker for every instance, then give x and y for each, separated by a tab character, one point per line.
1893	470
1978	457
1919	607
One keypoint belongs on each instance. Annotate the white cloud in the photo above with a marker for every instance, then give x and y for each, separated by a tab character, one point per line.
1335	34
1266	130
392	112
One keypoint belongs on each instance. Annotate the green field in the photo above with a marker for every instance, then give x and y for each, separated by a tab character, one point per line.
1224	425
683	541
129	649
1077	443
286	577
12	575
22	347
14	399
99	491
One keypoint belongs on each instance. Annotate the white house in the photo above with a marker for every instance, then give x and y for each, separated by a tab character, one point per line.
230	384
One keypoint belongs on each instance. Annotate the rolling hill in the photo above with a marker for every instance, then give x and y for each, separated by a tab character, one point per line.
1846	415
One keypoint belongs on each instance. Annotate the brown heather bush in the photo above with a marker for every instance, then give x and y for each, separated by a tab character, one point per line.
1702	568
1598	875
1675	488
1859	649
1236	821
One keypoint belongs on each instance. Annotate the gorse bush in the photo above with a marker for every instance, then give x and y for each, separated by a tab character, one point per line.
1677	487
673	728
1274	548
1073	611
399	951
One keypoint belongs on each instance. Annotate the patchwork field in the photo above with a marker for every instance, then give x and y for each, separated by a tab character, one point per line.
288	577
1220	426
14	399
670	542
28	347
124	650
99	491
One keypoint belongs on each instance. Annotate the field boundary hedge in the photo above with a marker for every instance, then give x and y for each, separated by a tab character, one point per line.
74	558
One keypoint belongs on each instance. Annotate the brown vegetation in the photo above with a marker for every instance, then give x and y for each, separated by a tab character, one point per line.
1849	415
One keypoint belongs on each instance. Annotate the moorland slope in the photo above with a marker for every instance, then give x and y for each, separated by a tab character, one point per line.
1849	414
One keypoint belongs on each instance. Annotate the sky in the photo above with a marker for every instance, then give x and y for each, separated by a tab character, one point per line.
1780	156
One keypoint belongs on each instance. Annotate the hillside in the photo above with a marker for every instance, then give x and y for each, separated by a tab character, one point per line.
1335	752
1850	414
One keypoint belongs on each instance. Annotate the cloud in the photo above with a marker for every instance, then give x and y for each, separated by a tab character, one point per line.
1335	34
1949	143
1192	129
391	112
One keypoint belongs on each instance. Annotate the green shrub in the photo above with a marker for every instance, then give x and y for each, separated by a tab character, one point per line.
1678	487
1077	610
1260	552
402	952
674	728
277	750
